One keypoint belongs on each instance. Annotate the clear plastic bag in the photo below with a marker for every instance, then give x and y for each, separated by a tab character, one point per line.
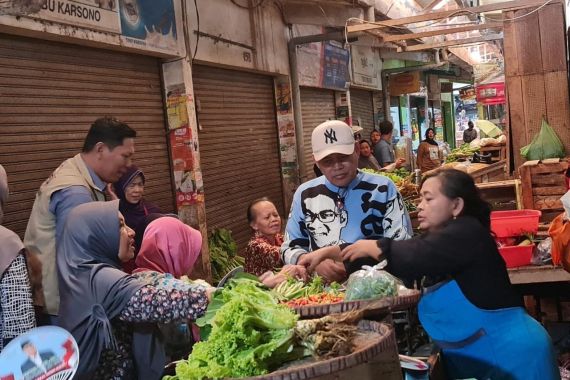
371	282
545	144
543	253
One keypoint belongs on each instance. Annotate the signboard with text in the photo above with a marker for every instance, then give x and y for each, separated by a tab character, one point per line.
92	14
365	67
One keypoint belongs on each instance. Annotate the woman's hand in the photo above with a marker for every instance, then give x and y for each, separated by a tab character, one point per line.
296	271
361	249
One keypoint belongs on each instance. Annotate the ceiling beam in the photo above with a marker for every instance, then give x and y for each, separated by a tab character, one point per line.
440	15
440	32
431	5
463	41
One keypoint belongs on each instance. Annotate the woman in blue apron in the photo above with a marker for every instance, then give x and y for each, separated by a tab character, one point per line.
472	312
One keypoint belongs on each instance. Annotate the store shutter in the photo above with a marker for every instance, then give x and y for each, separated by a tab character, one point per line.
239	148
317	106
362	110
50	93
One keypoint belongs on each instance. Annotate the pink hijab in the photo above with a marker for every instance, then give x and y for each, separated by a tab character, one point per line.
169	246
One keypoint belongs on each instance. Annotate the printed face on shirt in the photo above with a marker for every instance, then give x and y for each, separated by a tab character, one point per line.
135	190
266	219
340	169
113	163
324	221
435	208
126	241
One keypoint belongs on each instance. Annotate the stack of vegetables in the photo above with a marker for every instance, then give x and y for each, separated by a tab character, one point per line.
247	332
464	151
223	253
294	293
404	181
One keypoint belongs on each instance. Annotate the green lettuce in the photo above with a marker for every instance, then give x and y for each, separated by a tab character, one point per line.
248	334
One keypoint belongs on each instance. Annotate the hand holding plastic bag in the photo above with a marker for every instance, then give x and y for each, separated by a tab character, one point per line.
371	282
545	144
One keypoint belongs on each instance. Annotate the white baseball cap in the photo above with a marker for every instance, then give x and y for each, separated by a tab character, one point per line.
333	136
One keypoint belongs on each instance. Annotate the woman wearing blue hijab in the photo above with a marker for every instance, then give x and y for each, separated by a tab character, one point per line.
113	315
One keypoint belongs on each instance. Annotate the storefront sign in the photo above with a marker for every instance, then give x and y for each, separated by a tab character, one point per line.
405	83
492	93
335	66
97	15
467	94
365	67
149	24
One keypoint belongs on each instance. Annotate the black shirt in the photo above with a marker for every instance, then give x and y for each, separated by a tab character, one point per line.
462	250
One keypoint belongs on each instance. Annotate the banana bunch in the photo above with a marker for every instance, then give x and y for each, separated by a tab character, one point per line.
223	253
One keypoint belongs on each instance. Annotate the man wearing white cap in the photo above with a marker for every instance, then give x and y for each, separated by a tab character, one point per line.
342	206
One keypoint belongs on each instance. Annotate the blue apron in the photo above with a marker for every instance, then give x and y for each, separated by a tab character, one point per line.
485	344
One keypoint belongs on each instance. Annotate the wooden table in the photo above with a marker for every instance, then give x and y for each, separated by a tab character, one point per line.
481	172
537	274
542	281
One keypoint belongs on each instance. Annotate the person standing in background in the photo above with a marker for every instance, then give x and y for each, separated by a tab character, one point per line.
429	156
470	133
384	151
129	189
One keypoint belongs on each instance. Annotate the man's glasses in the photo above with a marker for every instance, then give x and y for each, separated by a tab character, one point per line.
325	216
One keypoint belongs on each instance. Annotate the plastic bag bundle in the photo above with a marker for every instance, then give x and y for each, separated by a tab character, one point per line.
545	144
371	282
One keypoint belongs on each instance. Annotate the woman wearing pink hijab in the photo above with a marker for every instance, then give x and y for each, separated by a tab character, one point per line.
169	251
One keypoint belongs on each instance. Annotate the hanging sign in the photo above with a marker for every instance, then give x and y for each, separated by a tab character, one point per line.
405	83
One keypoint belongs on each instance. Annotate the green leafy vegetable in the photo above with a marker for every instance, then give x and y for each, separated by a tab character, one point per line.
250	334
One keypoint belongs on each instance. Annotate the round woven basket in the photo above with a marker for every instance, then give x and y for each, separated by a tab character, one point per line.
377	338
400	302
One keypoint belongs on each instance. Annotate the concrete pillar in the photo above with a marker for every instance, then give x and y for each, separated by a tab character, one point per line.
181	110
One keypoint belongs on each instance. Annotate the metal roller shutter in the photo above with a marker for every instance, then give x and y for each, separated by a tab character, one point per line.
50	93
363	110
317	106
239	147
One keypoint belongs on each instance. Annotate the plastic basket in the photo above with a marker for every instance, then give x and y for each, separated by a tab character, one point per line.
517	256
514	223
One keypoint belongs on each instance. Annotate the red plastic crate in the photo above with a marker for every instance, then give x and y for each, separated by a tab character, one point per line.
517	256
514	223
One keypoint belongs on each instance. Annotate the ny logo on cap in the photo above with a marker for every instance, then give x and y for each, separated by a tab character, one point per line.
330	136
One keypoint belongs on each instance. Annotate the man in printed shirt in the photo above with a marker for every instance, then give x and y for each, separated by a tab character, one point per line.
343	205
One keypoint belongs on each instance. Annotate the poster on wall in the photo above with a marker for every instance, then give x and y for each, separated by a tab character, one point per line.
100	15
149	24
309	57
187	180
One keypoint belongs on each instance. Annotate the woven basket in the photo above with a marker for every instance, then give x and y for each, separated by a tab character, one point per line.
400	302
381	340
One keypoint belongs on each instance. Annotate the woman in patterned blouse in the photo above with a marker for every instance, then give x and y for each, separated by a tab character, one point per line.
112	315
262	252
16	310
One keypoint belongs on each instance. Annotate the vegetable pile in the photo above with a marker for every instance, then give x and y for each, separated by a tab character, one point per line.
316	299
247	334
292	288
463	151
223	253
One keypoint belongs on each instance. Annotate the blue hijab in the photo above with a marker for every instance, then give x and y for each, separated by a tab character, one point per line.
93	290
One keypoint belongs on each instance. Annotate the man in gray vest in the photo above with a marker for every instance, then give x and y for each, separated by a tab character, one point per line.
106	156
